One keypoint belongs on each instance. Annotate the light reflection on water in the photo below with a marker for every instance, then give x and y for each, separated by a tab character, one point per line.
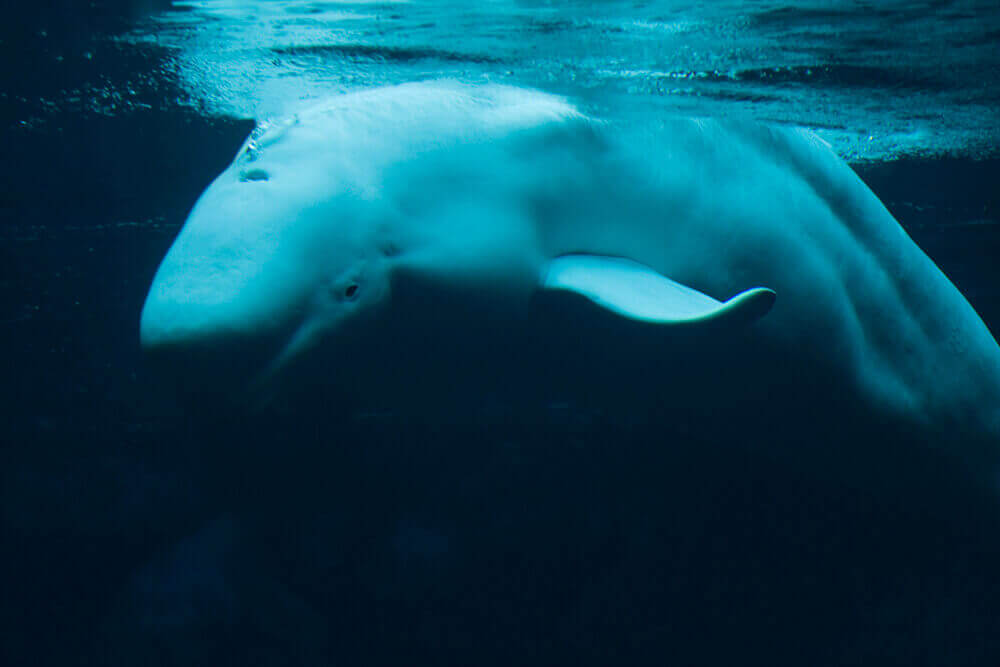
907	78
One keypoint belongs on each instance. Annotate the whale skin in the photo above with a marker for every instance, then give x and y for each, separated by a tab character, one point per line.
400	246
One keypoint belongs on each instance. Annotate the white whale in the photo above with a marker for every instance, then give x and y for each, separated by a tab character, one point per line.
451	240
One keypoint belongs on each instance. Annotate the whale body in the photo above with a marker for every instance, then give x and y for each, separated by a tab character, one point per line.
456	241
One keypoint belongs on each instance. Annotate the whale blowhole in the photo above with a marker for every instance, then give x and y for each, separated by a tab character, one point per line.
254	175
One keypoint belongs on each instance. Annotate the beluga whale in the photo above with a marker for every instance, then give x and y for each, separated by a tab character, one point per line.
437	244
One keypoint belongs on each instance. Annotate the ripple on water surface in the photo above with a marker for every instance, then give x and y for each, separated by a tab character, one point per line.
854	74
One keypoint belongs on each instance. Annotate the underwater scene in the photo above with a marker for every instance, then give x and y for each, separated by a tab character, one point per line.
512	332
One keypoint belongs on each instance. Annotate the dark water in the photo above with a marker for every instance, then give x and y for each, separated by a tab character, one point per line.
133	534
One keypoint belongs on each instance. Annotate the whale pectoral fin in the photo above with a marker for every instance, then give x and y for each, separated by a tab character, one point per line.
637	292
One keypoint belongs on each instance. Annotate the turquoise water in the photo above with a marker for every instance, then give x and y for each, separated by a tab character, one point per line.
877	80
130	534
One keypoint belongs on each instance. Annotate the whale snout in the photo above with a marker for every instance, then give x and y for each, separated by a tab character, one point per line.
209	347
208	368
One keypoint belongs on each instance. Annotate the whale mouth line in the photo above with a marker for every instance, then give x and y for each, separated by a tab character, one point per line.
264	387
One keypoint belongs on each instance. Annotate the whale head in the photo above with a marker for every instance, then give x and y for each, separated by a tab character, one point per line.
323	215
276	254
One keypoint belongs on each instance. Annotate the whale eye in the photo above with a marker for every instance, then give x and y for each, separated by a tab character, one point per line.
351	291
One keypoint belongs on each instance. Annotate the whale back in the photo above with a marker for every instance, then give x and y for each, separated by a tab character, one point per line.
722	205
